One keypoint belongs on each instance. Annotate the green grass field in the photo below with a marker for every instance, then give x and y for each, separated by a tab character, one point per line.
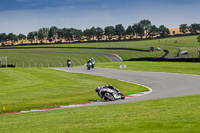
35	88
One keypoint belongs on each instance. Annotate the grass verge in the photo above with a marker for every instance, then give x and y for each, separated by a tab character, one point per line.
174	115
171	67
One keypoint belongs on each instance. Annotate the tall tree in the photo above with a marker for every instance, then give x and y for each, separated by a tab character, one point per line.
3	38
120	31
31	36
99	33
43	34
72	33
163	31
87	34
135	28
183	28
153	31
60	35
139	30
35	35
146	25
93	32
109	31
53	33
194	28
78	35
130	31
65	35
12	37
21	37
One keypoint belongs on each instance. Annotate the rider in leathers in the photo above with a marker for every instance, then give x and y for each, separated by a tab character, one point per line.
98	89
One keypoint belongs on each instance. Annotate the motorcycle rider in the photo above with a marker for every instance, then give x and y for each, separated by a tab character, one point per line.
93	62
89	61
98	90
89	64
68	63
118	95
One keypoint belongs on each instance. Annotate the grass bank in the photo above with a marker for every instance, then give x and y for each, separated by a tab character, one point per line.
47	57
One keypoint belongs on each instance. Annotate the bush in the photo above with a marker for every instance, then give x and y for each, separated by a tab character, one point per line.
198	39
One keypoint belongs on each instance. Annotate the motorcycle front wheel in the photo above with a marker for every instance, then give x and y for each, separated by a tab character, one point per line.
122	95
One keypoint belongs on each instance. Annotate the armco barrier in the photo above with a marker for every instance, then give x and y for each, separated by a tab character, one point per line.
9	65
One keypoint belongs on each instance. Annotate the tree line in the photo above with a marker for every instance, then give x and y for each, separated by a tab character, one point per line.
192	29
135	31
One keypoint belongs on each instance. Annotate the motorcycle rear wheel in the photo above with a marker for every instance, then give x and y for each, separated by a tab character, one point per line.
109	96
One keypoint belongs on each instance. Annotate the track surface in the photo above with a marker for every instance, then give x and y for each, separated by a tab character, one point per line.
163	84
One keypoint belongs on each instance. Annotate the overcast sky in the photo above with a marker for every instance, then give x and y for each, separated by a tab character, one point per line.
23	16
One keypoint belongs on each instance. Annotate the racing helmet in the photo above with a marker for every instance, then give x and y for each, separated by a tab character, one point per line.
97	89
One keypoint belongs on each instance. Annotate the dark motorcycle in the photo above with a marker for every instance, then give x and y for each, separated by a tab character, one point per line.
89	65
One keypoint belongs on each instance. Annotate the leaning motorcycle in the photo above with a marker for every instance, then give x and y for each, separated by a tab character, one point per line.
110	94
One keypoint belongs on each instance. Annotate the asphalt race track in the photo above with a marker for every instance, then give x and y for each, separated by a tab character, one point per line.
163	85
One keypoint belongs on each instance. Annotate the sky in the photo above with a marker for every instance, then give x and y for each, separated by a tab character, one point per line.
24	16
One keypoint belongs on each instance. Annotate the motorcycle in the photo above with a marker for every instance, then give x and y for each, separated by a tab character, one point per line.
93	63
110	94
89	65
